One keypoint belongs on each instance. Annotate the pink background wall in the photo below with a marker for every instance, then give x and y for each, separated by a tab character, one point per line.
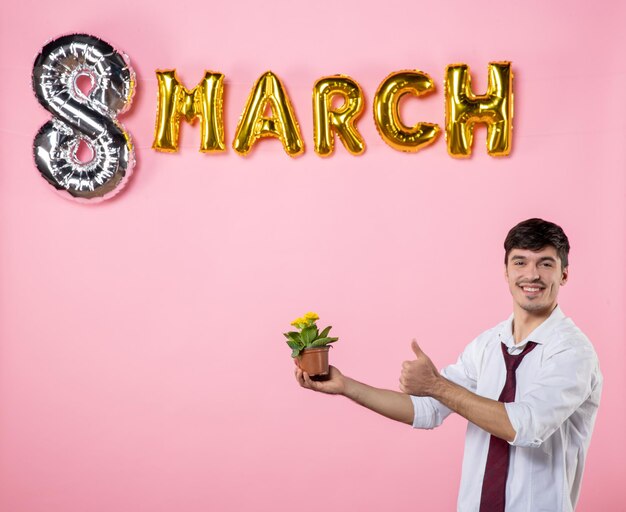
142	365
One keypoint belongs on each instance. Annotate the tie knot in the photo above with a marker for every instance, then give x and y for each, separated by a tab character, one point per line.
513	361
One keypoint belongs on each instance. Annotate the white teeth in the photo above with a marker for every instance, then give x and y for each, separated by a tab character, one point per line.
529	289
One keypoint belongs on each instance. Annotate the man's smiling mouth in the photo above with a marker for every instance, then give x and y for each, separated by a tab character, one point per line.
531	289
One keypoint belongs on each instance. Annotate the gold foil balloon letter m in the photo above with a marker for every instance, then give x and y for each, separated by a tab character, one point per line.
204	102
464	109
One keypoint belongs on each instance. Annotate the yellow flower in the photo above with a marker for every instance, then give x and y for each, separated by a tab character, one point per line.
311	317
306	320
298	322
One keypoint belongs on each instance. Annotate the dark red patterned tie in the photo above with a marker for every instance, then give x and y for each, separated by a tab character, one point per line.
497	467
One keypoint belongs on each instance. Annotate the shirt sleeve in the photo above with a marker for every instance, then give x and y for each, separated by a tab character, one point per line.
566	379
430	413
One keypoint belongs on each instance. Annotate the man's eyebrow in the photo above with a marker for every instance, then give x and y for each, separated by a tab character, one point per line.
543	258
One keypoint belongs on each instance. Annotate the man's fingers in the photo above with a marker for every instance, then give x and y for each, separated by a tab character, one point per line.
416	348
307	380
300	377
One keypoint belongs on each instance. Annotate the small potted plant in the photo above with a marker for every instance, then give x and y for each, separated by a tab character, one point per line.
309	345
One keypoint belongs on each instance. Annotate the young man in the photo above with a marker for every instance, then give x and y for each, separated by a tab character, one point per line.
530	388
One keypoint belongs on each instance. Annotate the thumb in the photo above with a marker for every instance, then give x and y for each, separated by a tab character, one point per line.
416	348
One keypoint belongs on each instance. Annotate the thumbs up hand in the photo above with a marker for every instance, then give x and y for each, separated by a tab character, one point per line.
419	376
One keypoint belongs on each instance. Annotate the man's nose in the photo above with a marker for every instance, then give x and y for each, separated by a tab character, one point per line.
532	272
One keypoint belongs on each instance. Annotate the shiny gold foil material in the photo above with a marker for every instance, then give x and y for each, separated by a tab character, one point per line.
387	115
204	102
268	92
464	109
328	120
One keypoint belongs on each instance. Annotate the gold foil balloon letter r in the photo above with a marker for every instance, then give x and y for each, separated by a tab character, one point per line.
341	119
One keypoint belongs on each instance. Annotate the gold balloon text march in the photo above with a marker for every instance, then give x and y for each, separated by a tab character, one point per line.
90	117
269	113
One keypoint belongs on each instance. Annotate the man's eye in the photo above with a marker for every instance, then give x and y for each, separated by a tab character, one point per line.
518	263
547	264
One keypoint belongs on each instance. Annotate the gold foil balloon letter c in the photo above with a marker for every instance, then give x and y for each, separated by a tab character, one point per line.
464	109
387	115
203	102
268	92
341	119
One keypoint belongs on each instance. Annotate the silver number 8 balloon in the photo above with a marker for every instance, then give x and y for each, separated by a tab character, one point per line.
89	117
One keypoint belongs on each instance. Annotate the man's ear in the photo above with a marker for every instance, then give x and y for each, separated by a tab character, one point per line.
506	273
564	275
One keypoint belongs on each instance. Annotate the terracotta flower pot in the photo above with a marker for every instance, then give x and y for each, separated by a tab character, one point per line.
314	361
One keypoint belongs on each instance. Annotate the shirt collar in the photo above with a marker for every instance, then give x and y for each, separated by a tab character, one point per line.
541	333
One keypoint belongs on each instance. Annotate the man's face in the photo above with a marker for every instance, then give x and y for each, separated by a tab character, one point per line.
534	278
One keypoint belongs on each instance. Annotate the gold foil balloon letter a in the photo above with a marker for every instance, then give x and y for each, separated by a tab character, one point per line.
268	92
387	115
204	102
340	119
464	109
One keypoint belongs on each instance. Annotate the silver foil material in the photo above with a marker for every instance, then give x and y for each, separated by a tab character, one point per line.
88	117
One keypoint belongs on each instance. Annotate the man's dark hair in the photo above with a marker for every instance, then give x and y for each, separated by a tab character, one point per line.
534	235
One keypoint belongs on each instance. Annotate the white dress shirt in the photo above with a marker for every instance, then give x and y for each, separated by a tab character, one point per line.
556	400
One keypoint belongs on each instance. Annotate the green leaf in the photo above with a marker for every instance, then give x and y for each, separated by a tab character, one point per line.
293	335
308	334
325	332
294	344
296	352
320	342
